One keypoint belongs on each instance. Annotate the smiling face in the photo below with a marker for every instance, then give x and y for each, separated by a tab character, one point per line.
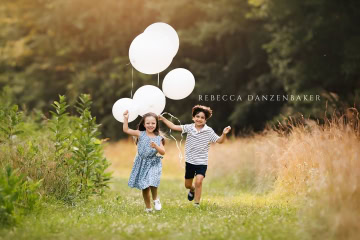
199	119
150	123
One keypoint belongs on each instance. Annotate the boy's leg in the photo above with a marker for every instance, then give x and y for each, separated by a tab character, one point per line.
189	184
153	192
198	187
146	196
189	176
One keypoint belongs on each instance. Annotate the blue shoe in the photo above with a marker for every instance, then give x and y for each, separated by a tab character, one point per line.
191	195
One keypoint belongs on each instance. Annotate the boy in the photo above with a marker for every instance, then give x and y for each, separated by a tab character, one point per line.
199	137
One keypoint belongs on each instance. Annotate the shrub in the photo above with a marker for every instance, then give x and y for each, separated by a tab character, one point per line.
17	196
80	163
88	158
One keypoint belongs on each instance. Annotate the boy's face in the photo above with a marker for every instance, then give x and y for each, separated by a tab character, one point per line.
150	123
199	119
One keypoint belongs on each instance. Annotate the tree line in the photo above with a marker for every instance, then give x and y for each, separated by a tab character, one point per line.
233	47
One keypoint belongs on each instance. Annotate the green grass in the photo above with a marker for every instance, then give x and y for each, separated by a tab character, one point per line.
119	214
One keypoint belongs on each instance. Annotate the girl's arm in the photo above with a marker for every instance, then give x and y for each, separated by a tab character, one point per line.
223	135
126	128
170	125
160	149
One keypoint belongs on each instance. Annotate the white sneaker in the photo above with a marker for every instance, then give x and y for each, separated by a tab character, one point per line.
148	210
157	205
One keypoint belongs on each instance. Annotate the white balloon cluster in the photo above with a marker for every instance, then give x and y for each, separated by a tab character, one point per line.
152	52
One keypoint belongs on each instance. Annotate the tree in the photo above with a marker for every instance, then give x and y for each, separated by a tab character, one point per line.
314	48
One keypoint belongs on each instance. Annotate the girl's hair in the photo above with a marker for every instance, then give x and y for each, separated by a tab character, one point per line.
157	132
199	108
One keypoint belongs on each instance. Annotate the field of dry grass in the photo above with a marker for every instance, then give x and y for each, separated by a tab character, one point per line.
301	181
315	167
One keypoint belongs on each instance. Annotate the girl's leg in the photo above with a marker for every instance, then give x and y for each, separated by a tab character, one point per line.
157	204
146	196
189	184
154	192
198	187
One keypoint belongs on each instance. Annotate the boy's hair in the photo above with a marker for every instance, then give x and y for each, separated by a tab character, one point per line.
199	108
157	131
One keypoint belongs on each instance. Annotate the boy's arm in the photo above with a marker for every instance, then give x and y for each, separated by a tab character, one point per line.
223	135
126	128
170	125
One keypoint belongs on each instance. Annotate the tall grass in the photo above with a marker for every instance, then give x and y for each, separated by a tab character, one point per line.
64	152
315	166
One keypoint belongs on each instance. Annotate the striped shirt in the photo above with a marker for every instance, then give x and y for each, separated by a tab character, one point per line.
197	143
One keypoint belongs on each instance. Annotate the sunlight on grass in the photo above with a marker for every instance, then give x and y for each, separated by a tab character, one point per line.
120	215
296	184
313	168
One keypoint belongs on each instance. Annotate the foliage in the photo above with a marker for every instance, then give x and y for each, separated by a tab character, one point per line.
239	47
18	196
88	159
79	158
73	46
308	55
222	47
10	117
60	128
63	152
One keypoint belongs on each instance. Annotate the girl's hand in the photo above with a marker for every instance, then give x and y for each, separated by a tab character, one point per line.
161	118
227	130
126	114
153	145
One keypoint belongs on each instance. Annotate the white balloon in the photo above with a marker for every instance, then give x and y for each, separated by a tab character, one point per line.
123	104
149	99
178	84
150	53
168	31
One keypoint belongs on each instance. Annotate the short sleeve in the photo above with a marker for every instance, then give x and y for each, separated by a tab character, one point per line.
186	128
213	136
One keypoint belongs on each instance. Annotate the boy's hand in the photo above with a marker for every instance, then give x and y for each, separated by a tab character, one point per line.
126	114
227	130
152	144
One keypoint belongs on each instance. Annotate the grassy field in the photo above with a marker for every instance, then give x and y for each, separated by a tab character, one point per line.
227	210
303	185
120	215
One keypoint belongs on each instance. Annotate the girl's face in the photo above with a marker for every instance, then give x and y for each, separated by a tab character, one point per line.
150	123
199	119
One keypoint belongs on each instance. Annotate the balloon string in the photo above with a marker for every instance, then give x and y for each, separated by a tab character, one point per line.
178	146
158	79
132	81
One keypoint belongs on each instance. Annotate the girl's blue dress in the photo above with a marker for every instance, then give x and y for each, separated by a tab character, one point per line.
147	167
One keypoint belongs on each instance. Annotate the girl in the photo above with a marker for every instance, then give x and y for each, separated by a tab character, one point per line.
146	172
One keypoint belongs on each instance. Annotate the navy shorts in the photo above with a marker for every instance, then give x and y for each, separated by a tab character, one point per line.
192	170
